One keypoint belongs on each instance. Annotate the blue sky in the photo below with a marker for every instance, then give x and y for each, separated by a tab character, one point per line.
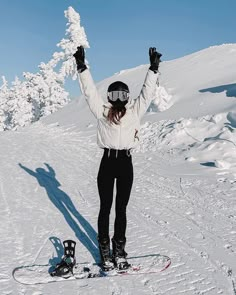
119	31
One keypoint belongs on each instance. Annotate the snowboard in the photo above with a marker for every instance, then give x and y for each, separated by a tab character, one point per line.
40	274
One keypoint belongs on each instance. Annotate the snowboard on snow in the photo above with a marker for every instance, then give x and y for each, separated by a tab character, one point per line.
40	274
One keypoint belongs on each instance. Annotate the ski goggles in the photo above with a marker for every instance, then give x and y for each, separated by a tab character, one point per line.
119	94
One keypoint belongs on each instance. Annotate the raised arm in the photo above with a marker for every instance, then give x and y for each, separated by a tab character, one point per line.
31	172
93	98
146	95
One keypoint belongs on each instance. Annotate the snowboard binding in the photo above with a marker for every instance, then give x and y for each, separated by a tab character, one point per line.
65	267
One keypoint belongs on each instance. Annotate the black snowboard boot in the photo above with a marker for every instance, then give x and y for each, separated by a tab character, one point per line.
104	249
119	255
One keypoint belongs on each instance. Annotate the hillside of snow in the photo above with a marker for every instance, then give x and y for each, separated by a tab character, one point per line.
183	198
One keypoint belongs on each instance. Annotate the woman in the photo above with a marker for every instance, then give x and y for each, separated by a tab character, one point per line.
118	133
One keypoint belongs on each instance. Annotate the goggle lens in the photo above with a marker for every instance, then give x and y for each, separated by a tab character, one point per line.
121	95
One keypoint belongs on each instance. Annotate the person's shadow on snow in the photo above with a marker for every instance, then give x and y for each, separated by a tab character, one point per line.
47	179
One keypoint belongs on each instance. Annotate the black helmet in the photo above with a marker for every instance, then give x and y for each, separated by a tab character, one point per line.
118	86
118	93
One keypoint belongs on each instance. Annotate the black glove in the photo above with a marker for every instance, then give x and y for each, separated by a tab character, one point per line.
79	57
154	59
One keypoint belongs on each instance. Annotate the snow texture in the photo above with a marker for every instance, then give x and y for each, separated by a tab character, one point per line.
183	199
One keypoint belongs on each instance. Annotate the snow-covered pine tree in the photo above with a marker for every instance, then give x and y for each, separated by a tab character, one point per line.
55	96
20	110
4	93
36	92
48	86
43	93
76	37
48	93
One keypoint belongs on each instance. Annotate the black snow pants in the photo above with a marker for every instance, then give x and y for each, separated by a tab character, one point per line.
115	165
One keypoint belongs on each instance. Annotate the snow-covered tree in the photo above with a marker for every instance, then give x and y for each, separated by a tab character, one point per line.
76	37
43	93
48	93
35	87
55	96
20	112
4	93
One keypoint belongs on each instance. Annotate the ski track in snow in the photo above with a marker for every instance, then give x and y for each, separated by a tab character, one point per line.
190	219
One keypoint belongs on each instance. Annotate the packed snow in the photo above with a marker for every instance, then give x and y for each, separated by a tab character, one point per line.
183	198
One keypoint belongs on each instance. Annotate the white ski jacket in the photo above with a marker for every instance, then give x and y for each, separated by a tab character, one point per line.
124	135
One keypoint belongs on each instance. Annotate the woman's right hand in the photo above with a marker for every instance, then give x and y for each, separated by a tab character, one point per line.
80	59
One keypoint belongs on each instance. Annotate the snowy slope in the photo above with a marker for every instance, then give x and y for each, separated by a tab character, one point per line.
183	198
